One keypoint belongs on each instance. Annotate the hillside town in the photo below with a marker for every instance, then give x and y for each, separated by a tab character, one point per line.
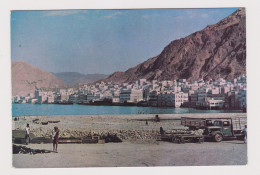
219	94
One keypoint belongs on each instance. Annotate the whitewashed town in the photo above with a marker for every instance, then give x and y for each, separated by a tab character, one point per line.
219	94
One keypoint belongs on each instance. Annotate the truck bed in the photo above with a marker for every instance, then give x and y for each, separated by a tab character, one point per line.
238	122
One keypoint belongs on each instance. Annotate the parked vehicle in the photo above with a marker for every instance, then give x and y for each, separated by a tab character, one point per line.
217	129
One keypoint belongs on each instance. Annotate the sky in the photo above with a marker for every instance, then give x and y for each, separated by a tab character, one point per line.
101	41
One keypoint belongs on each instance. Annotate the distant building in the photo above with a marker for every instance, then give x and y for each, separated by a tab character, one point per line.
194	98
131	95
90	97
242	98
16	99
182	80
74	98
116	99
33	100
64	98
141	82
82	98
50	99
202	94
210	104
172	99
152	98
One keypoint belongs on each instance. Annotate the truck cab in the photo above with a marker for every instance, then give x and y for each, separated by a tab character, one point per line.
219	130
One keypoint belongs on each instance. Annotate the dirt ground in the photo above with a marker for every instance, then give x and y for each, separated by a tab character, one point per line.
139	146
128	154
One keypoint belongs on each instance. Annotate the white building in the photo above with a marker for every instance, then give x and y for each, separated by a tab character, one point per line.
131	95
202	94
50	99
242	98
152	98
211	104
172	99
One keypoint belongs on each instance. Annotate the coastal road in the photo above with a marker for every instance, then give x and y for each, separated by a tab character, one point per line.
128	154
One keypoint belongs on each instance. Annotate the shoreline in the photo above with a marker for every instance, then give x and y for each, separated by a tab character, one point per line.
145	115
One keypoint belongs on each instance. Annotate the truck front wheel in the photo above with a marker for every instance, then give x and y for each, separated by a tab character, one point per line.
218	137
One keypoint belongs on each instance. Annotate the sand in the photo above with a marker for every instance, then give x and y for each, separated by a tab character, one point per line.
139	147
128	154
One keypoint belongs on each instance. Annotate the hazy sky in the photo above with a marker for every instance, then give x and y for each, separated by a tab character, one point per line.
101	41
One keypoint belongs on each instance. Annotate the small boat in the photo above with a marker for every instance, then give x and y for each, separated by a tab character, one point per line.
35	120
45	123
54	121
64	103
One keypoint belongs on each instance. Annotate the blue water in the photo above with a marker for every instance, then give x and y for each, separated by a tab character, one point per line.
54	109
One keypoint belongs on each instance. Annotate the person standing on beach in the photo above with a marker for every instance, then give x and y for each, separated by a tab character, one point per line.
27	134
161	130
55	138
244	131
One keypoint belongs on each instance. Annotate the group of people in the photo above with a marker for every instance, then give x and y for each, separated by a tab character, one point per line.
54	136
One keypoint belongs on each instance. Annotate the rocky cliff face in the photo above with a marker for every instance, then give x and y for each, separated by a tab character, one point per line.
217	50
26	79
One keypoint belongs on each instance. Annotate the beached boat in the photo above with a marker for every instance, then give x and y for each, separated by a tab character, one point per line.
54	121
45	123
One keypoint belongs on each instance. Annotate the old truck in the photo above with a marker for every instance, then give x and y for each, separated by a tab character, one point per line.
217	129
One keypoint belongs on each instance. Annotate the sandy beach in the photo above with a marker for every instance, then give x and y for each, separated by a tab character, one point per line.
128	154
139	146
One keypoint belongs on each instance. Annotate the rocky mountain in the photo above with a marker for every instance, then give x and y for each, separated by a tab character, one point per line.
74	78
27	78
217	50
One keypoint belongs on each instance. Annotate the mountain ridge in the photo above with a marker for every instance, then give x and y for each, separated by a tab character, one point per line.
217	50
27	78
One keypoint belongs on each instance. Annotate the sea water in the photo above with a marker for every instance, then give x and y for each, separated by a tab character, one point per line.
75	109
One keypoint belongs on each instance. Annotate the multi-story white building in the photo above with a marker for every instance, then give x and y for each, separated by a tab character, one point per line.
131	95
172	99
238	99
74	98
211	104
50	99
242	98
152	98
90	97
194	98
202	94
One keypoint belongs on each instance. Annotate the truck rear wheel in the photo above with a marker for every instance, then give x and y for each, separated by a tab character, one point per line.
173	139
218	137
201	140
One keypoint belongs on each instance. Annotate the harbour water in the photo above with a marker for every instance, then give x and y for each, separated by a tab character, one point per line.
54	109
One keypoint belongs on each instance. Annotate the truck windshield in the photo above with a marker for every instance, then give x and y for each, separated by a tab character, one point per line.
217	123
